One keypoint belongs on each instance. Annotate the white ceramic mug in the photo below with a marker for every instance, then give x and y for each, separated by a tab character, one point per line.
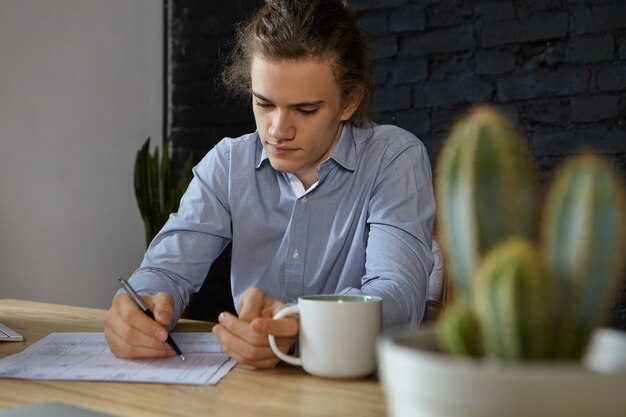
338	334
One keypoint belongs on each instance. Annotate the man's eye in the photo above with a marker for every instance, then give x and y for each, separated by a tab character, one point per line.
263	104
307	112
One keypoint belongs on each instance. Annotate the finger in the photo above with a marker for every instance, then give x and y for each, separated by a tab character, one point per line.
251	304
287	327
125	313
132	315
271	307
285	344
162	305
270	362
122	349
125	340
242	352
242	329
238	349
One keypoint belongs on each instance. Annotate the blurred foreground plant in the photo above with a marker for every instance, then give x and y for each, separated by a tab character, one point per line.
518	296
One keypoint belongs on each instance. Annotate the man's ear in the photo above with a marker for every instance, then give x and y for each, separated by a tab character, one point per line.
351	103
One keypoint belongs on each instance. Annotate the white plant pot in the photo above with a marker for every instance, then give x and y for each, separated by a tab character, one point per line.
419	381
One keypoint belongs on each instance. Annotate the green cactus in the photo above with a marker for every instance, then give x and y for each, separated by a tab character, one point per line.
156	195
485	192
529	303
583	236
459	331
514	299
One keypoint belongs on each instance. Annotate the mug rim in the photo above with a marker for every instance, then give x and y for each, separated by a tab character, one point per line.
340	298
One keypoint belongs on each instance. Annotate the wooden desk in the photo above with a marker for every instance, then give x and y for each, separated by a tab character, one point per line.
283	391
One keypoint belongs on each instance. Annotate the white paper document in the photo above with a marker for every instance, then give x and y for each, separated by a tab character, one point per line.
86	357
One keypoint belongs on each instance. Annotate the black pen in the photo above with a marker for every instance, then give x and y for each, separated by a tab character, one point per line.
148	313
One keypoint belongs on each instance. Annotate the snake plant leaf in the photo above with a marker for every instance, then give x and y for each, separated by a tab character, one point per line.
156	195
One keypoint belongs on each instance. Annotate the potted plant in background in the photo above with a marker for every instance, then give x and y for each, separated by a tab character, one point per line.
523	334
155	189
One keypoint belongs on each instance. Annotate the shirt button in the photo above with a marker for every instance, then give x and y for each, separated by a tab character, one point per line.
296	255
305	200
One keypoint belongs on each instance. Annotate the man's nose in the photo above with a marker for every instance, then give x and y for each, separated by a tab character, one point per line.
281	127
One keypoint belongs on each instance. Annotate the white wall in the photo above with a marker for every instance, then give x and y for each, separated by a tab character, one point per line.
80	90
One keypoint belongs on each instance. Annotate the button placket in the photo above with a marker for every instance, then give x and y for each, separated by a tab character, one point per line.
294	267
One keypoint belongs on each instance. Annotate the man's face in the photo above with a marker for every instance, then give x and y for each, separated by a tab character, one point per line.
299	112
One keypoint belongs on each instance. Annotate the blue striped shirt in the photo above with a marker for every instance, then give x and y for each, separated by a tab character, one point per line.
366	228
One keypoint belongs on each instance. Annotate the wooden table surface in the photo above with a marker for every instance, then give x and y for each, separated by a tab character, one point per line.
283	391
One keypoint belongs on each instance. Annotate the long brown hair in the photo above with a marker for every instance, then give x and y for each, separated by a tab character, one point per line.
297	29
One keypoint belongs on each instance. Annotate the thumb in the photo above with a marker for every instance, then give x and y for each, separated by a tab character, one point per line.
251	304
163	308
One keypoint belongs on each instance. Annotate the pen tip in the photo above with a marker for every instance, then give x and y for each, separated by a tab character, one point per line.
182	357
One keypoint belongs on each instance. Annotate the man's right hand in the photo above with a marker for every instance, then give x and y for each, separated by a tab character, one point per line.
130	333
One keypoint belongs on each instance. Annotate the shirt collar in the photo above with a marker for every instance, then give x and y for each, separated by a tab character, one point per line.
344	153
260	151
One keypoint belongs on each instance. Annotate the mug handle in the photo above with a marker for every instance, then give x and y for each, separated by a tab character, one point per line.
293	360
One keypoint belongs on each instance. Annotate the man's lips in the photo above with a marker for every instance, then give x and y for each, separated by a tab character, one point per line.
278	149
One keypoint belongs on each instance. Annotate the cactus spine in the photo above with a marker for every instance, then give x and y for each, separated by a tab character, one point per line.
584	235
485	192
514	301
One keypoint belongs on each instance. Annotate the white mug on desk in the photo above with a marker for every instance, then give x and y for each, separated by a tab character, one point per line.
338	334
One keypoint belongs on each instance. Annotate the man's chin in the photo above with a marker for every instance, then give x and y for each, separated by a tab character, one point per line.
282	165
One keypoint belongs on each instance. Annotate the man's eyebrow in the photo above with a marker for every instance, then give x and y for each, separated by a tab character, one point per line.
301	104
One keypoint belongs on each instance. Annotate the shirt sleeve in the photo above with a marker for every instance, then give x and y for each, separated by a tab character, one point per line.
399	256
179	257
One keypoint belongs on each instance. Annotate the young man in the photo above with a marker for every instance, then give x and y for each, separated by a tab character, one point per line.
318	200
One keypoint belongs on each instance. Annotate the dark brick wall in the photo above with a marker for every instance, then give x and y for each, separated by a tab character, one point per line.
200	112
557	67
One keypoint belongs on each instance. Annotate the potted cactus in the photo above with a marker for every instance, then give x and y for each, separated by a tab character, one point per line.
532	284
